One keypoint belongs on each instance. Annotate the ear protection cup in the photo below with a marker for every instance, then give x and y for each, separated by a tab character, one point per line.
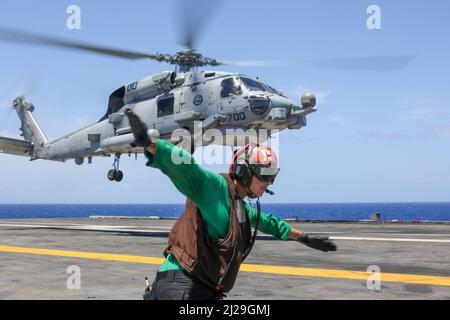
239	169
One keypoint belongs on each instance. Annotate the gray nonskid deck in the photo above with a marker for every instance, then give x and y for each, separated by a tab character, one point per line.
387	246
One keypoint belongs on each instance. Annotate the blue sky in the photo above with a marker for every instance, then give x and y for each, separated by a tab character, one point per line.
377	136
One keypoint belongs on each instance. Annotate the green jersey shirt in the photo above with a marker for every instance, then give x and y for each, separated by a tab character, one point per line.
209	192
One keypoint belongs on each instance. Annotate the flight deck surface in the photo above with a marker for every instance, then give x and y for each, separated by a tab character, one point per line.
40	258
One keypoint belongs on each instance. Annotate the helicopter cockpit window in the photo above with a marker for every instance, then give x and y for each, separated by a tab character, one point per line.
273	90
230	86
165	106
253	85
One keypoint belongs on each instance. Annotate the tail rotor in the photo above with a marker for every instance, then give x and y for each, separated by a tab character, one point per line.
25	85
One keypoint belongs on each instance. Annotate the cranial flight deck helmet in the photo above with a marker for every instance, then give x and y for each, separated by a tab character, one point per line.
254	160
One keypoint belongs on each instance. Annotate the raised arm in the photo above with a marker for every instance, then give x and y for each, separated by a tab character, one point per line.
187	176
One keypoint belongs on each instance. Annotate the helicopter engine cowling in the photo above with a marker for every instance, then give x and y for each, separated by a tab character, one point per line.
150	87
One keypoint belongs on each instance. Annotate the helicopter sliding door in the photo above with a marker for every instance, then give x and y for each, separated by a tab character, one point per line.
165	109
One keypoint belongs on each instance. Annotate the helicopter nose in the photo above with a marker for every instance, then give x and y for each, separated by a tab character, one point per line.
282	102
280	109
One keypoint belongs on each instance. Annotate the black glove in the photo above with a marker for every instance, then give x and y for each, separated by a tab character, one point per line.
317	242
139	130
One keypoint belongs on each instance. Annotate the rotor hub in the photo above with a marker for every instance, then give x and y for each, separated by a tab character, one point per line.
187	59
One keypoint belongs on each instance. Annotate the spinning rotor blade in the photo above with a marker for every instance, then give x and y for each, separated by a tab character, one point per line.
28	84
193	15
258	63
26	37
23	86
388	63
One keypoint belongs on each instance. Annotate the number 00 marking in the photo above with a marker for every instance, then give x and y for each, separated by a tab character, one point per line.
132	86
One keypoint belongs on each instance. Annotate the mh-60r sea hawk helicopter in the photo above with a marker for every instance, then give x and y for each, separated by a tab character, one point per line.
165	101
172	100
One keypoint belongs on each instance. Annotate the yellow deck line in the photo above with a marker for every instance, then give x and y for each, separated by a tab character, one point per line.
346	274
84	255
292	271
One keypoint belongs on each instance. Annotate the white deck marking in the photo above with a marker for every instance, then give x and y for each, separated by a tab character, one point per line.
111	228
390	239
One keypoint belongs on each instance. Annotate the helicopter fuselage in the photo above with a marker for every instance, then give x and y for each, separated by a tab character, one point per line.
230	103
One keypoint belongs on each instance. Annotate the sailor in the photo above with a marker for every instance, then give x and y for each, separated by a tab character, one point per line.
213	236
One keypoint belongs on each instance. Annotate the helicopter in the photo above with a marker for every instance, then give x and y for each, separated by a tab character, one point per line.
166	101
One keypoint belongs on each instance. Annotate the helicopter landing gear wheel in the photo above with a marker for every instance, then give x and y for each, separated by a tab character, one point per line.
112	175
119	176
115	174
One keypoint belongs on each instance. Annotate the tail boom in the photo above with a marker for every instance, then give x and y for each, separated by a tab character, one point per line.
30	128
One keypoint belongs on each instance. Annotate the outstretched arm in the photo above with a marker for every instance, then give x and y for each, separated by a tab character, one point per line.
187	176
282	230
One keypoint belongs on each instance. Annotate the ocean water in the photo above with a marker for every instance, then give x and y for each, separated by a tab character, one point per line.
301	211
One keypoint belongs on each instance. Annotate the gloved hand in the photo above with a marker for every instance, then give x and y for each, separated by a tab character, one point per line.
139	130
317	242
